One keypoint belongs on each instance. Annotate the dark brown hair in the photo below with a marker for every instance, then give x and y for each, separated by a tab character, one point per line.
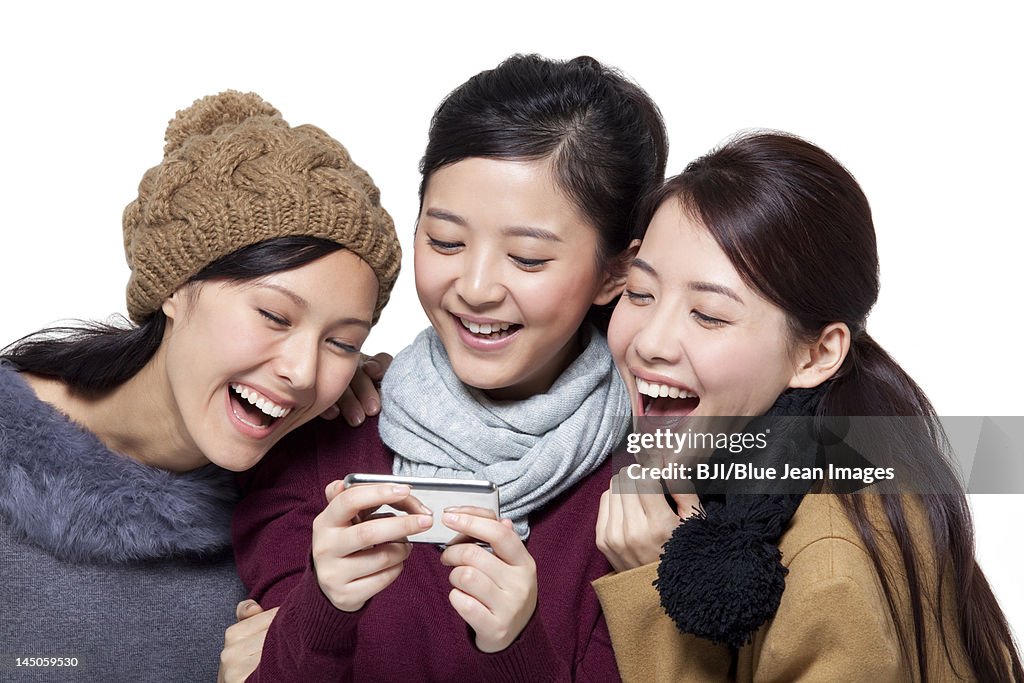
93	358
798	229
604	135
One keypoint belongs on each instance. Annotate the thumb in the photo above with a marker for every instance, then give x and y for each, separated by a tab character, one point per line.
332	490
246	609
687	504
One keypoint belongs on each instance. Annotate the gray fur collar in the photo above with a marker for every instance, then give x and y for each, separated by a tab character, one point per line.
67	493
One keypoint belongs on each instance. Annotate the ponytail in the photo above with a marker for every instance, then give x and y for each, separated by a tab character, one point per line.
871	383
91	359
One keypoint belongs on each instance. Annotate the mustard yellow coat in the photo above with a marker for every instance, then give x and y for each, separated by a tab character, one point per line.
833	624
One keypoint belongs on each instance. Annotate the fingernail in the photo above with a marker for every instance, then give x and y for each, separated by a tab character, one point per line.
425	521
372	406
450	518
372	365
354	417
400	489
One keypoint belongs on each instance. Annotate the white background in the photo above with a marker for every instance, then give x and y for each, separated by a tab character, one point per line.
922	103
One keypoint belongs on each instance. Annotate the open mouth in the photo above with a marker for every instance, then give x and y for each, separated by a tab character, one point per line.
491	331
253	408
658	400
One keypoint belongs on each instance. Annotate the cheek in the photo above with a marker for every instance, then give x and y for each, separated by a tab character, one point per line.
745	376
564	296
430	271
334	378
623	328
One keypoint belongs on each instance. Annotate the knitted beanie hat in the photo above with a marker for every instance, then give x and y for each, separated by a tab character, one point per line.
234	174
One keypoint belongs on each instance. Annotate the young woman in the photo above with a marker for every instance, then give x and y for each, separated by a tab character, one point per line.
749	297
529	191
260	257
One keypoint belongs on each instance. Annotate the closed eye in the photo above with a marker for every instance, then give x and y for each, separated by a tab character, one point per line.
638	298
709	321
529	263
343	346
443	247
274	318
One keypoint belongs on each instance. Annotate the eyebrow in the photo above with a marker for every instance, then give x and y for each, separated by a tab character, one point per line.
443	215
640	264
715	289
299	301
510	231
696	286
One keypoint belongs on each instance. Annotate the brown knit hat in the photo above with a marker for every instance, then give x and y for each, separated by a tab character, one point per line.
234	174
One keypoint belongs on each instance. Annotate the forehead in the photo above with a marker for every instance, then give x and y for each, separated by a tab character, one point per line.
338	284
501	193
679	247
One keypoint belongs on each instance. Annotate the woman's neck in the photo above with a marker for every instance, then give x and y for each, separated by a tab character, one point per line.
138	419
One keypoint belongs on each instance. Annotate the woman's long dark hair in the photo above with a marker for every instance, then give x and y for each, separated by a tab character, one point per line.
798	229
94	358
604	135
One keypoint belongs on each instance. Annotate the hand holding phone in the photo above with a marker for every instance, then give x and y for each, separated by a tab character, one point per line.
354	559
495	592
437	495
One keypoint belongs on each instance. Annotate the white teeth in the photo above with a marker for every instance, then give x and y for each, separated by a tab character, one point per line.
484	328
661	390
260	401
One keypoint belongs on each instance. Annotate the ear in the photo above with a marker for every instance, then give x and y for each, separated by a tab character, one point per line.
173	305
615	275
822	358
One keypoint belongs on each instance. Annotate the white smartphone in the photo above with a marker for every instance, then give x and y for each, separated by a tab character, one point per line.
437	494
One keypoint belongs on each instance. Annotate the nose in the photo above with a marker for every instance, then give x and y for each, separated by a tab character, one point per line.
298	360
659	339
479	284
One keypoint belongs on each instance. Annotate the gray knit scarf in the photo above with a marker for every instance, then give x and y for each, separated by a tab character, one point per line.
532	449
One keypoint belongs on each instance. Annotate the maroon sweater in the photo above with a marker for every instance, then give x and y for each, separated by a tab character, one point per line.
409	631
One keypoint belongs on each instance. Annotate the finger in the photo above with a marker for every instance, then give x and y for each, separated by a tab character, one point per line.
651	495
343	509
374	560
246	609
376	365
331	412
687	504
601	528
332	490
505	541
365	394
412	505
367	586
251	626
379	531
634	515
614	528
477	585
472	555
350	405
474	510
472	611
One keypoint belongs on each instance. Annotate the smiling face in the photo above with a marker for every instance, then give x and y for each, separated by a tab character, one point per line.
506	270
690	331
247	362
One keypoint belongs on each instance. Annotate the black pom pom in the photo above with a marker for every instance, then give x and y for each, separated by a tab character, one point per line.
721	575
